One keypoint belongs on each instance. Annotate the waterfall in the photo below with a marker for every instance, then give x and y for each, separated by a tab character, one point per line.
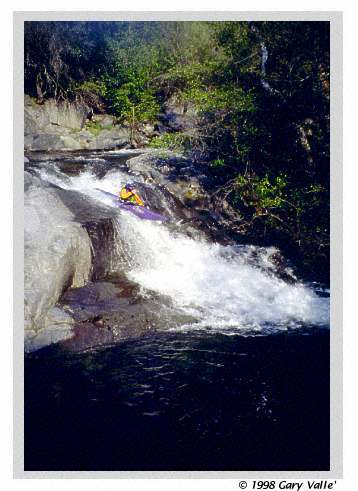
264	57
217	285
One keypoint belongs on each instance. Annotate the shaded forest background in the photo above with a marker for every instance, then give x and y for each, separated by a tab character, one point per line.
259	95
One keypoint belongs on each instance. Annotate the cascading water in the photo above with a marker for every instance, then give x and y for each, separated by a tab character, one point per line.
264	57
199	370
215	284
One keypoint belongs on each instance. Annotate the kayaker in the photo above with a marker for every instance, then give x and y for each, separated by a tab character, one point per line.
129	194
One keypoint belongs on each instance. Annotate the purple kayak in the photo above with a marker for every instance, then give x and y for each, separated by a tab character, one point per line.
138	211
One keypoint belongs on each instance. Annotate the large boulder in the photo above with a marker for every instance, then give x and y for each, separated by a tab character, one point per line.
108	139
178	115
70	143
105	121
43	141
180	176
57	256
51	115
62	126
58	327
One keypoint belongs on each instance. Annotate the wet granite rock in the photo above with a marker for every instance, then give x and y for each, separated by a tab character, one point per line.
86	335
117	306
35	340
57	252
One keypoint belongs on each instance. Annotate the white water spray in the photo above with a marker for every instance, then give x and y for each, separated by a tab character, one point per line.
213	283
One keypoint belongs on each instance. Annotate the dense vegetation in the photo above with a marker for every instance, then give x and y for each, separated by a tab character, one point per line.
259	92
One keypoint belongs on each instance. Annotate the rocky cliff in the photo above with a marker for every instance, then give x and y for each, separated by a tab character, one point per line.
58	126
69	126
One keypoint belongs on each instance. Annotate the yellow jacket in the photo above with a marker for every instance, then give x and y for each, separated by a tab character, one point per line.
131	197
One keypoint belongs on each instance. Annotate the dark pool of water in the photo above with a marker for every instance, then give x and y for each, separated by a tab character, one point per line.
181	402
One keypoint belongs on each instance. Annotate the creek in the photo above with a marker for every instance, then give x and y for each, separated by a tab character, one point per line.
184	350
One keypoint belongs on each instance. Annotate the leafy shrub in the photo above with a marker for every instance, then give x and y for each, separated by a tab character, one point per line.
92	92
93	127
261	192
176	142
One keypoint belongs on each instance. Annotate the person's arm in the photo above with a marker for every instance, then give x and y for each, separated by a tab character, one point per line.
124	194
138	200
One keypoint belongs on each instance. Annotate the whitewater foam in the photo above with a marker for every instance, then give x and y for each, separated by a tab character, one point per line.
216	284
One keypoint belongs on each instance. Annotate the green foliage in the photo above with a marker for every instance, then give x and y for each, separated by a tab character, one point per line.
191	77
132	102
126	78
176	142
92	87
218	163
262	193
230	100
92	92
93	127
260	91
